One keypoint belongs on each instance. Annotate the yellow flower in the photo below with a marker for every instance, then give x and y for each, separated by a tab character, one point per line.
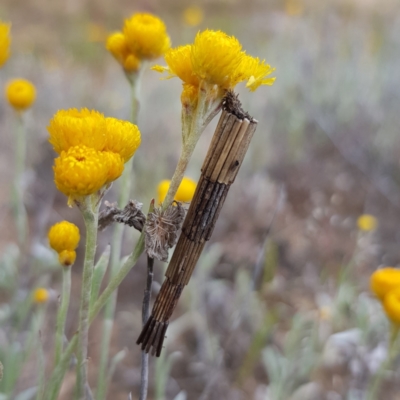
67	257
193	16
5	41
384	280
63	236
146	36
215	57
117	46
40	295
294	7
82	171
70	128
185	191
190	95
20	93
256	72
122	137
367	222
391	305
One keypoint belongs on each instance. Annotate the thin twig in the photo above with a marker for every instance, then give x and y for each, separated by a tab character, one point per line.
144	371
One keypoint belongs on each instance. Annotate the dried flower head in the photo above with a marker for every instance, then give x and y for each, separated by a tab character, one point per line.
367	223
40	295
384	280
391	305
107	215
146	36
5	41
162	229
184	193
20	93
132	215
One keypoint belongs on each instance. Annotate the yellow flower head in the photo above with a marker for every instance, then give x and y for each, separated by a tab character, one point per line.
146	36
40	295
367	222
5	41
122	137
63	236
82	171
215	57
384	280
189	96
117	46
20	93
193	16
185	191
391	305
67	257
70	128
257	72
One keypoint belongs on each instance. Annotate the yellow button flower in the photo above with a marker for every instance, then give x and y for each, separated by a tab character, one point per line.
146	36
256	72
185	191
391	305
115	165
63	236
69	128
67	257
215	57
122	137
40	295
5	41
82	171
367	222
116	44
384	280
20	93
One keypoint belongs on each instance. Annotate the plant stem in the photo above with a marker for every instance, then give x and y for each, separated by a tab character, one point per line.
62	313
59	371
125	185
144	370
20	156
90	216
373	388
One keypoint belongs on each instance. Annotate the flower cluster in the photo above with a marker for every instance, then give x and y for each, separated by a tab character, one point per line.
385	283
144	37
92	150
64	239
217	60
185	191
20	94
5	42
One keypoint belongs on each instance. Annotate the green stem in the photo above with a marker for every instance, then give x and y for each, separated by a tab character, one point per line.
21	219
62	313
116	247
59	371
90	216
376	382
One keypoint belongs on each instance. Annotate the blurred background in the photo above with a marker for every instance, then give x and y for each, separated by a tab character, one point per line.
279	306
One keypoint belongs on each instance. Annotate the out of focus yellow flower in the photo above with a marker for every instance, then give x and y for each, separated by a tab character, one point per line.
391	305
69	128
40	295
367	222
20	93
294	7
185	191
82	171
193	16
64	238
117	46
5	41
122	137
146	36
384	280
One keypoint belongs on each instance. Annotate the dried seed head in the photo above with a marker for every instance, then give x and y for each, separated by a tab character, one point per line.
162	229
106	216
132	215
